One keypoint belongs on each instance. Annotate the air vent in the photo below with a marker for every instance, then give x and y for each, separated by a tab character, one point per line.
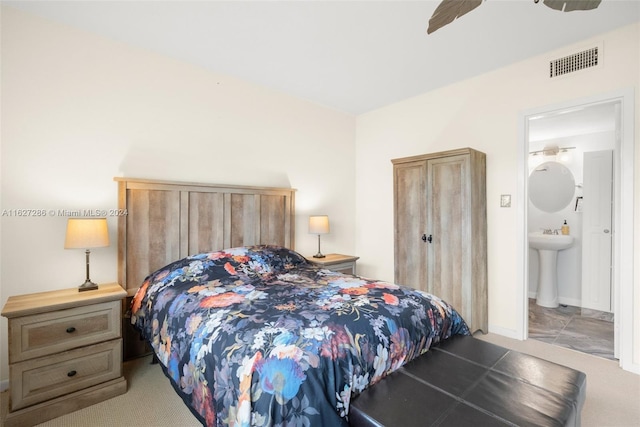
575	62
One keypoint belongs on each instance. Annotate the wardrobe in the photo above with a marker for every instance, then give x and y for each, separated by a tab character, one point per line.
440	229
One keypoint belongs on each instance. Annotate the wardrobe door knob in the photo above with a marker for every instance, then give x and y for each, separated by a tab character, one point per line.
71	330
71	373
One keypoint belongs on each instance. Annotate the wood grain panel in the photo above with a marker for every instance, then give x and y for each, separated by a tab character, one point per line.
61	299
243	212
410	206
273	218
41	412
45	378
169	220
206	222
478	244
153	226
47	333
448	221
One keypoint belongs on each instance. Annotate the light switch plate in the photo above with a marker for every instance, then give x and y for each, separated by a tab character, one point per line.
505	200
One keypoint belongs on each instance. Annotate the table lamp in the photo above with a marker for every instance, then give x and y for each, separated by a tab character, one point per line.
86	233
318	224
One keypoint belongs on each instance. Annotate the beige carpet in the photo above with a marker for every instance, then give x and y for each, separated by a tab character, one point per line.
150	401
613	395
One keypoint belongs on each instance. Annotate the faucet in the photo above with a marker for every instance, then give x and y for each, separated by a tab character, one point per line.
549	231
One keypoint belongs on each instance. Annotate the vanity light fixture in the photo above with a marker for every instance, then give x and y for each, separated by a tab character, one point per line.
564	155
551	151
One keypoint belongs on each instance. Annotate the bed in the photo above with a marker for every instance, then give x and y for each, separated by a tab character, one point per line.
258	336
255	335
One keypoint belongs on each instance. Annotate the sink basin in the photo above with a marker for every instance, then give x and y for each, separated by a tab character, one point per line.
549	242
548	246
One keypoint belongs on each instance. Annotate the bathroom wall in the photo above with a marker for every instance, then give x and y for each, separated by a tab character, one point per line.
569	260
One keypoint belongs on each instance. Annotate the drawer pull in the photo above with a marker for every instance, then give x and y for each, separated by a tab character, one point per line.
71	330
71	373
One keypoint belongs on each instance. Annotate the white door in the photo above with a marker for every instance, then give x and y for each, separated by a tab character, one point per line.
597	230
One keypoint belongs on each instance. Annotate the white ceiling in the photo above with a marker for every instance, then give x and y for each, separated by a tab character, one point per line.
352	56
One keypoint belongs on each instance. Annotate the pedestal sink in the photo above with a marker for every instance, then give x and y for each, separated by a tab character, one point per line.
548	246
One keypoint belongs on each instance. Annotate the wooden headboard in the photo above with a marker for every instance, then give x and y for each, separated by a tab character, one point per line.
166	221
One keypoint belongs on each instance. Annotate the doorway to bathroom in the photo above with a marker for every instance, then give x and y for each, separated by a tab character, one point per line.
574	147
573	134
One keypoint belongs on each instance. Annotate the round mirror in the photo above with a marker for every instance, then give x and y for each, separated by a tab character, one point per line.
551	186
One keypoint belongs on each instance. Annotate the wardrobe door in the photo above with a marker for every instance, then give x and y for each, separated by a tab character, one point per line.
448	262
410	198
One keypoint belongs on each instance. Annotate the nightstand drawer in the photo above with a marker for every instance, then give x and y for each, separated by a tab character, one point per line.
344	268
345	264
48	333
45	378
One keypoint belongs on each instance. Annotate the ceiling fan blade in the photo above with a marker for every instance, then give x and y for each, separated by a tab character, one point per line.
449	10
571	5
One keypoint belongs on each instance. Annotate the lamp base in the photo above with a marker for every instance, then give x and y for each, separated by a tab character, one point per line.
88	285
319	254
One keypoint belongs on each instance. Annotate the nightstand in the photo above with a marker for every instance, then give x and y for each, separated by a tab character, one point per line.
65	352
336	262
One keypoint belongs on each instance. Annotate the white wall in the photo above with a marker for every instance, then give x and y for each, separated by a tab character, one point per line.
482	113
78	110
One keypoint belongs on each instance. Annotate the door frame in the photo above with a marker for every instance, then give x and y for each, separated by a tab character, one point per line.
623	280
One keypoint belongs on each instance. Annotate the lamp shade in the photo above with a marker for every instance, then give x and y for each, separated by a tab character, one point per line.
318	224
86	233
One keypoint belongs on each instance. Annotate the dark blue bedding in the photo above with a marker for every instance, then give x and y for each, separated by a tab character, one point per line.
258	336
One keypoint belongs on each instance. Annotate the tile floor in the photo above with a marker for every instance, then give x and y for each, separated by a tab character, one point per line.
585	330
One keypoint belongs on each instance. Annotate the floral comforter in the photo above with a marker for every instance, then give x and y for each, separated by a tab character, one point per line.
258	336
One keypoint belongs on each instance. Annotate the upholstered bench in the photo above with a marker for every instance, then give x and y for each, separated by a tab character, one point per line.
465	381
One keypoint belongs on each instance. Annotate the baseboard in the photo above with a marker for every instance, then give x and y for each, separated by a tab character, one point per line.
634	368
509	333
